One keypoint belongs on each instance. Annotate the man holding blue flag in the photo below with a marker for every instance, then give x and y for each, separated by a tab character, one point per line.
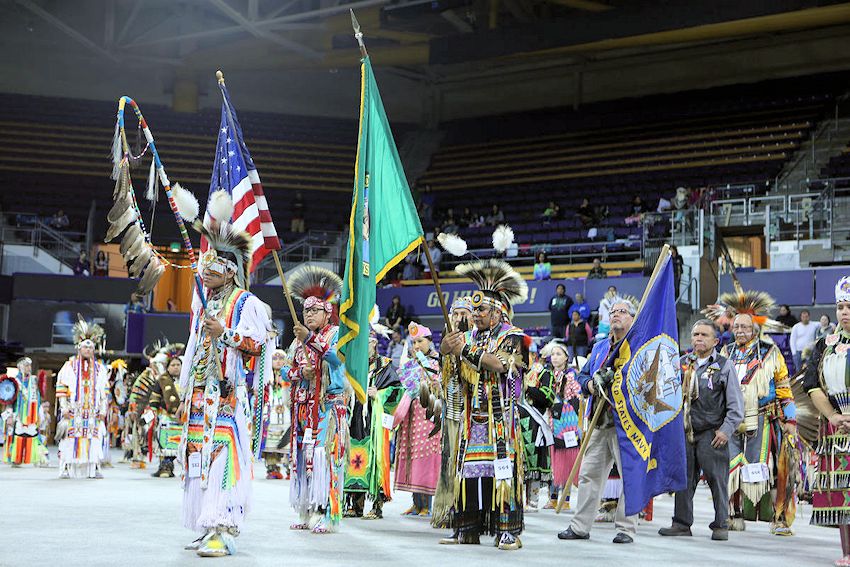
641	427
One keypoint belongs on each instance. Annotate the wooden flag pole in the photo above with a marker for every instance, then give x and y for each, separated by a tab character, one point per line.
220	76
436	279
285	288
665	251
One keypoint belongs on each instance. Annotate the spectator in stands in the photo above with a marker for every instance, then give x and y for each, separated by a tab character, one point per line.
395	314
678	268
411	270
428	203
496	216
637	206
436	256
586	214
802	335
59	220
542	268
450	226
395	348
579	336
559	307
597	272
825	328
581	306
552	212
101	264
786	317
467	219
297	224
83	266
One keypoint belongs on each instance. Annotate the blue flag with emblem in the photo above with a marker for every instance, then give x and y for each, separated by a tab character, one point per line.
647	396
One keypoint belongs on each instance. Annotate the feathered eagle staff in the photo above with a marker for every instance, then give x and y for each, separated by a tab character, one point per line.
142	259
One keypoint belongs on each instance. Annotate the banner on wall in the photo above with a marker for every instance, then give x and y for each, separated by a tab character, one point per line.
422	300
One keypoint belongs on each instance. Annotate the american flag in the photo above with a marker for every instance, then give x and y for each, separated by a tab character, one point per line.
234	171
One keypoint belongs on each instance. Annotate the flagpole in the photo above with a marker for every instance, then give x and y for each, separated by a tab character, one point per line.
220	76
665	251
358	35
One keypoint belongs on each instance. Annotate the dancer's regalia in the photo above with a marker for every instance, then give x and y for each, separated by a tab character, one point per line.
489	499
565	420
23	442
537	438
418	449
369	459
761	441
154	400
825	381
82	399
319	412
215	448
278	418
442	514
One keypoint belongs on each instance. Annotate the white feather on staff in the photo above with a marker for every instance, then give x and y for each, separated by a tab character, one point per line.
187	204
152	194
452	243
220	206
503	237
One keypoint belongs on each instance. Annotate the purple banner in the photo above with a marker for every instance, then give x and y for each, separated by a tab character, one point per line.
825	280
422	299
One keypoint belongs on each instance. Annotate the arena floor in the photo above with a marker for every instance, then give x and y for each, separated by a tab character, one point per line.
131	519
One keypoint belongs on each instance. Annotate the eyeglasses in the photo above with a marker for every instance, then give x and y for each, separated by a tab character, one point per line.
619	312
314	311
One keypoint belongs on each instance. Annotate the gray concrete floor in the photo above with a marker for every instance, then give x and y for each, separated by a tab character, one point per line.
131	519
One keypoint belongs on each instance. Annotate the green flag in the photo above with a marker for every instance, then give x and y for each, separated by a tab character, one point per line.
383	229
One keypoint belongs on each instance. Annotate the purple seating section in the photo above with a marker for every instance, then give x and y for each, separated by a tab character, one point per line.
53	155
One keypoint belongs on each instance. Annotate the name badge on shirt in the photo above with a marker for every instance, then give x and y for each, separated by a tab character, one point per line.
503	468
387	421
755	472
570	439
308	436
195	465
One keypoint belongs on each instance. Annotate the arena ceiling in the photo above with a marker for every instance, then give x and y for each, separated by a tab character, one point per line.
416	36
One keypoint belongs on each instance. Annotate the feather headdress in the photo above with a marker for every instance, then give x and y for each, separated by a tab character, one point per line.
314	285
756	304
497	280
225	241
84	332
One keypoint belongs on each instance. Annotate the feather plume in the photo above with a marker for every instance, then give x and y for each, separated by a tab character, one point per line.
152	195
314	281
382	330
757	304
220	206
503	237
452	243
117	153
187	204
497	276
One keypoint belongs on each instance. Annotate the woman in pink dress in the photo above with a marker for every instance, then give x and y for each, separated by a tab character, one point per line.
418	444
